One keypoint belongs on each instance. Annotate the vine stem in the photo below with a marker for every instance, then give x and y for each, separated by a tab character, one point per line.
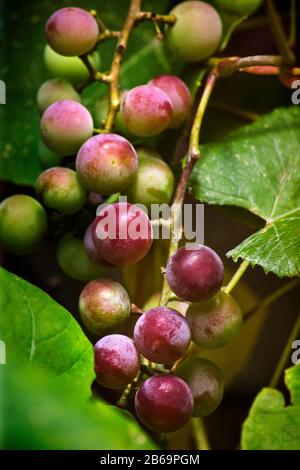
279	34
193	156
293	24
270	299
236	277
285	354
200	434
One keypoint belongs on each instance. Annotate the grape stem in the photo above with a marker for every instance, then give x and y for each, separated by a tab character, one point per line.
285	354
200	434
279	34
236	277
193	156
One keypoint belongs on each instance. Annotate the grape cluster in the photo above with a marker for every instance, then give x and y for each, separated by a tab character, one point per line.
167	389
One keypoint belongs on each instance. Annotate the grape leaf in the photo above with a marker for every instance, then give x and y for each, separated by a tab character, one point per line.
23	70
45	416
38	330
271	425
258	168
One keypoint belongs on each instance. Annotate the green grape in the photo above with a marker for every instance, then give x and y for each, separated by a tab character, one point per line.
47	158
53	90
23	222
240	7
70	68
152	184
206	383
144	152
74	261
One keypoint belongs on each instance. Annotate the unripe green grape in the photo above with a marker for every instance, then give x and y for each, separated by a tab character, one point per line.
144	152
47	158
70	68
239	7
74	261
53	90
152	184
215	322
206	383
104	306
23	222
197	31
72	31
65	126
60	189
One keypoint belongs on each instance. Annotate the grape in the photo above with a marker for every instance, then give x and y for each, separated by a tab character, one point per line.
72	31
47	158
95	199
54	90
162	335
206	383
106	163
117	361
60	189
164	403
238	7
197	31
152	184
146	110
179	95
74	261
65	126
144	152
154	300
104	306
90	247
23	223
122	234
195	275
213	323
70	68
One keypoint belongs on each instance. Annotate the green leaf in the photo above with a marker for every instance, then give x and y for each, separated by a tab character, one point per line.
271	425
23	70
38	330
41	415
258	168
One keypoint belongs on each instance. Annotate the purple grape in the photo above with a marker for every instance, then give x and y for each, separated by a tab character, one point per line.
162	335
117	361
72	31
164	403
65	126
146	110
179	95
195	275
106	163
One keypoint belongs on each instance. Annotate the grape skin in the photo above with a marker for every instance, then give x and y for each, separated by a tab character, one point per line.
206	383
65	126
53	90
162	335
238	7
215	322
146	110
197	31
60	189
117	361
179	95
164	403
72	31
104	306
118	243
106	163
195	275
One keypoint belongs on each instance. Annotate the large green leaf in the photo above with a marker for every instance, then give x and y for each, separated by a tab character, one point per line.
38	330
22	68
258	168
271	425
37	414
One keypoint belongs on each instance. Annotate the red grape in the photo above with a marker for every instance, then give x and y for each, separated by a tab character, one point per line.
164	403
195	274
162	335
122	234
117	361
